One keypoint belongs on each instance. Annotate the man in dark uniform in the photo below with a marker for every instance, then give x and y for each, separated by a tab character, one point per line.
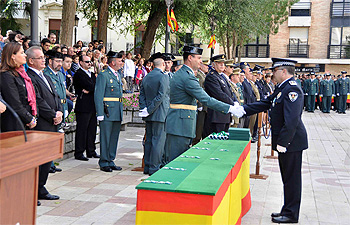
154	105
184	90
84	83
343	90
311	90
327	90
289	135
109	110
201	109
218	87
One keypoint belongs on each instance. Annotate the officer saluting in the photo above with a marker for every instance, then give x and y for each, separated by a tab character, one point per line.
289	135
180	124
109	109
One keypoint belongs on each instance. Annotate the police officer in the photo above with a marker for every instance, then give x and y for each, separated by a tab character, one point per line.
217	86
168	59
154	105
289	135
311	90
327	90
53	71
109	110
184	90
201	109
343	90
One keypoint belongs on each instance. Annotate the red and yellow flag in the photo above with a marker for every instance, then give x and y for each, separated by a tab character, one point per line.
172	17
169	20
212	42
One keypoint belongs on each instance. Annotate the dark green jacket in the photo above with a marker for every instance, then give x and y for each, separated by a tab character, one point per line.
185	89
59	82
327	88
108	85
154	94
311	87
343	87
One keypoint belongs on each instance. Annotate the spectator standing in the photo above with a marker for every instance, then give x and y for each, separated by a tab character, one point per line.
84	83
129	72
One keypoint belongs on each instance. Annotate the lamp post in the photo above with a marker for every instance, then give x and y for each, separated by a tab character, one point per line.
167	32
76	22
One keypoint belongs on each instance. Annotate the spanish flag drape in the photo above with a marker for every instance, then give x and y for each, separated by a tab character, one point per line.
169	20
212	42
174	19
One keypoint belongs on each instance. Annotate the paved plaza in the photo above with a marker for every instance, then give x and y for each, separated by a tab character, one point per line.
90	196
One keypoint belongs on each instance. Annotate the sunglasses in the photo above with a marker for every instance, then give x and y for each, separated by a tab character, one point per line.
87	61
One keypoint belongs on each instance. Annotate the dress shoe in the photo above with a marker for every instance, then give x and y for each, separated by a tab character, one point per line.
39	203
275	214
97	156
283	219
82	158
115	167
49	197
106	169
58	169
52	170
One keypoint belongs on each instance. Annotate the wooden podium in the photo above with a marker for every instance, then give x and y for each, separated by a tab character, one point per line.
19	168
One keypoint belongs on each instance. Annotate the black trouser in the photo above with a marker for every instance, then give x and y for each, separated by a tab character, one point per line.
290	168
43	175
199	127
85	134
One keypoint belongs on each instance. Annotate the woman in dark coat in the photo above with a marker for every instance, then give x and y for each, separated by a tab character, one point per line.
16	89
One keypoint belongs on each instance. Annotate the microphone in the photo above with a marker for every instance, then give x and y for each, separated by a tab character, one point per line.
16	116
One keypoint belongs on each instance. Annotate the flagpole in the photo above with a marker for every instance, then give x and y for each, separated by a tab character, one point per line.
167	31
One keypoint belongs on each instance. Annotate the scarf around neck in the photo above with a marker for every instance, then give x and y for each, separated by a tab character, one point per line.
30	89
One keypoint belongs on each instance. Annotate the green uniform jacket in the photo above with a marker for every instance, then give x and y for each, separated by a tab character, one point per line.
298	82
201	78
343	86
185	89
327	88
154	94
311	87
58	81
108	85
240	90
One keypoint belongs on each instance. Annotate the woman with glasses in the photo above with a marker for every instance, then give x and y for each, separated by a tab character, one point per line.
16	89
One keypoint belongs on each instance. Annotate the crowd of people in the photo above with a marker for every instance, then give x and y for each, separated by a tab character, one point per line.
181	103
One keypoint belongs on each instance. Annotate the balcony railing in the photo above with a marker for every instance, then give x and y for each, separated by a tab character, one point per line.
255	51
339	51
298	50
340	9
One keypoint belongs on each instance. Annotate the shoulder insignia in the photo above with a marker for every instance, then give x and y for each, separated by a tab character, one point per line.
293	96
292	82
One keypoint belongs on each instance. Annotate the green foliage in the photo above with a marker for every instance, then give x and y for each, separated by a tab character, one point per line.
8	9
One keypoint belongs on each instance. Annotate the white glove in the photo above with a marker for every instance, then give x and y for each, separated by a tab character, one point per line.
66	113
333	95
315	93
281	149
337	94
321	95
100	118
306	94
200	109
143	112
348	93
237	111
236	104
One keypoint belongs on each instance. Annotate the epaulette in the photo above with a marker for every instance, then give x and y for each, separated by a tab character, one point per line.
292	82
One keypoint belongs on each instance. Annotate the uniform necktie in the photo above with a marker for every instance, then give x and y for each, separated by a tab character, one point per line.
41	75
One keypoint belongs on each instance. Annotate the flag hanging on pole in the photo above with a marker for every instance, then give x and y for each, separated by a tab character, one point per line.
172	17
212	42
169	20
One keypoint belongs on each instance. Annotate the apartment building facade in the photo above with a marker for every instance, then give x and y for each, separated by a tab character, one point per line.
316	34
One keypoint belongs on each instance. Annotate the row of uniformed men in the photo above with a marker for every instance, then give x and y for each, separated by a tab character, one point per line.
323	91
